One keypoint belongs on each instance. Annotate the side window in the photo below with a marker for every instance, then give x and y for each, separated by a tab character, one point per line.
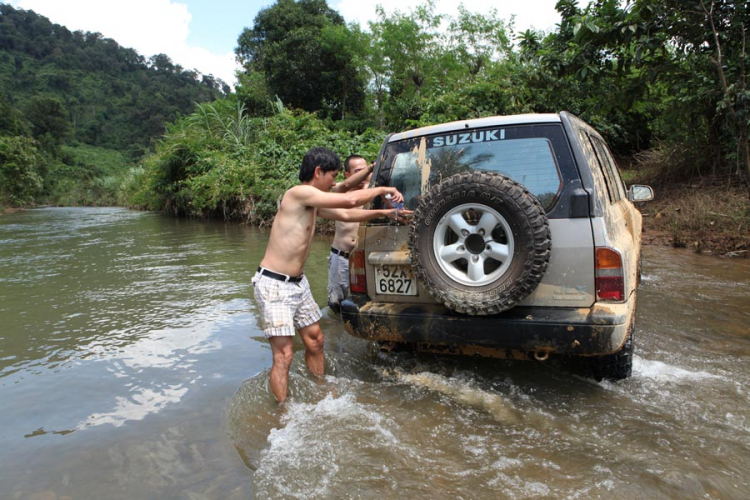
616	177
600	179
612	169
609	170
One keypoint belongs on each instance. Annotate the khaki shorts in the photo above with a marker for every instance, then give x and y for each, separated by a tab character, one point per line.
284	307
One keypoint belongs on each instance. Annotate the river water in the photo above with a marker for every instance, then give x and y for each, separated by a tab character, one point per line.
132	366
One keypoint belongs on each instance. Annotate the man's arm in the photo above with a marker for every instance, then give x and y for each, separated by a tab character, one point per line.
354	180
313	197
361	214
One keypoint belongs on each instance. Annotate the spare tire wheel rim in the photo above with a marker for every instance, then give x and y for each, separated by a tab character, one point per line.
450	229
473	244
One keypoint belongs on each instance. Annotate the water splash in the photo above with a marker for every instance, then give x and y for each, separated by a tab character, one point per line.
663	372
463	392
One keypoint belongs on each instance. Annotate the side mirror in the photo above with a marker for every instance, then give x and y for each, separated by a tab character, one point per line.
638	193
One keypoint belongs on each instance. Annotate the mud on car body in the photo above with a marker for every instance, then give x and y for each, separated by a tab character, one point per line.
524	243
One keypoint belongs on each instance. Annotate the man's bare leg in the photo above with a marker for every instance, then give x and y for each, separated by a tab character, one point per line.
312	336
282	359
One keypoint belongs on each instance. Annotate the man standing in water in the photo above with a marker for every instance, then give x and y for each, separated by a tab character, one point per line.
281	289
357	174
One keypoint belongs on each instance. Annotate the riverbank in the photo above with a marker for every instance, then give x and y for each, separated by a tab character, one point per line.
713	220
10	210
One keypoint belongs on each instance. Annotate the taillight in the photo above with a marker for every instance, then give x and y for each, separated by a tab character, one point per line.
609	281
357	278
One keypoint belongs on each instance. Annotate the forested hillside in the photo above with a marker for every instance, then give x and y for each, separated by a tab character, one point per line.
75	107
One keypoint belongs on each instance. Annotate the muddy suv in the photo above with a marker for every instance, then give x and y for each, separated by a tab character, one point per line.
524	243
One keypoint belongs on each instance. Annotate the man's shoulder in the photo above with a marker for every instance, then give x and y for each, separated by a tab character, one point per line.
297	197
299	187
298	191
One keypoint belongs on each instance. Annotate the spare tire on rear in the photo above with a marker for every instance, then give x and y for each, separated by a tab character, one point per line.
480	243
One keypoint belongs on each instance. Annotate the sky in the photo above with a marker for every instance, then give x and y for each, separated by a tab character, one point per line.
202	34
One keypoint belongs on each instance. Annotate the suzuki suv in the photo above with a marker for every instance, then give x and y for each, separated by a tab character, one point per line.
524	243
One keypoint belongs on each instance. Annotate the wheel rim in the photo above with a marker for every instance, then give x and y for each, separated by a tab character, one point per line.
473	244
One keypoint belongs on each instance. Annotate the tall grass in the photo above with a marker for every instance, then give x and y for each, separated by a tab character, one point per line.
235	129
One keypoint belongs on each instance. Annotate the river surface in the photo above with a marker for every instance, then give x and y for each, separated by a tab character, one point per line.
132	367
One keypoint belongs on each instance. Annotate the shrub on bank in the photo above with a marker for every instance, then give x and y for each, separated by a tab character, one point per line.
218	162
21	163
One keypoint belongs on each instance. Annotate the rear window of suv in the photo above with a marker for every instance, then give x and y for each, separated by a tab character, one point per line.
526	154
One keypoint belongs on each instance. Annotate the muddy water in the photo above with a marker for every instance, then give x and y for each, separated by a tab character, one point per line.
132	366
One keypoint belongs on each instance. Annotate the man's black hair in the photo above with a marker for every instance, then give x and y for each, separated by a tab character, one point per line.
324	158
348	161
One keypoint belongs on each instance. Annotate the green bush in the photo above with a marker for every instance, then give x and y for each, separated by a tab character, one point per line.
85	175
20	165
218	162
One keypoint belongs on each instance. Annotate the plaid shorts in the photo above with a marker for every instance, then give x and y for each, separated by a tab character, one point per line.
284	306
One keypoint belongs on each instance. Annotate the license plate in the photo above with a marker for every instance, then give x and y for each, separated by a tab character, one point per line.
395	280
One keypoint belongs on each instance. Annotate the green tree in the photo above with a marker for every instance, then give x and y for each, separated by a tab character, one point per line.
110	96
410	42
376	65
565	70
696	50
48	118
253	92
20	181
411	46
71	93
12	121
346	48
476	40
221	162
304	67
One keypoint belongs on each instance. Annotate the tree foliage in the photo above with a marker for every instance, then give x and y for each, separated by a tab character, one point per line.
690	57
20	179
304	54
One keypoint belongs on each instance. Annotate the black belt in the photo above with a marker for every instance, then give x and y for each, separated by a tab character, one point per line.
339	252
279	276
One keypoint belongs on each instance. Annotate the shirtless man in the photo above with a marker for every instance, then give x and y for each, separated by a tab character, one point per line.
281	289
346	235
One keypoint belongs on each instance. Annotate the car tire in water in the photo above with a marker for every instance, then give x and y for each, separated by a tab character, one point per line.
617	366
480	243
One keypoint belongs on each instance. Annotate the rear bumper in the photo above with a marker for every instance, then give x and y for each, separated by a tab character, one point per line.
601	329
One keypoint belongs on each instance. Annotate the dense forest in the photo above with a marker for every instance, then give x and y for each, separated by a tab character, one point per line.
665	81
76	109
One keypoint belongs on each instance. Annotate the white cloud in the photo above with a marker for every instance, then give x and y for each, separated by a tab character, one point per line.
148	26
539	14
